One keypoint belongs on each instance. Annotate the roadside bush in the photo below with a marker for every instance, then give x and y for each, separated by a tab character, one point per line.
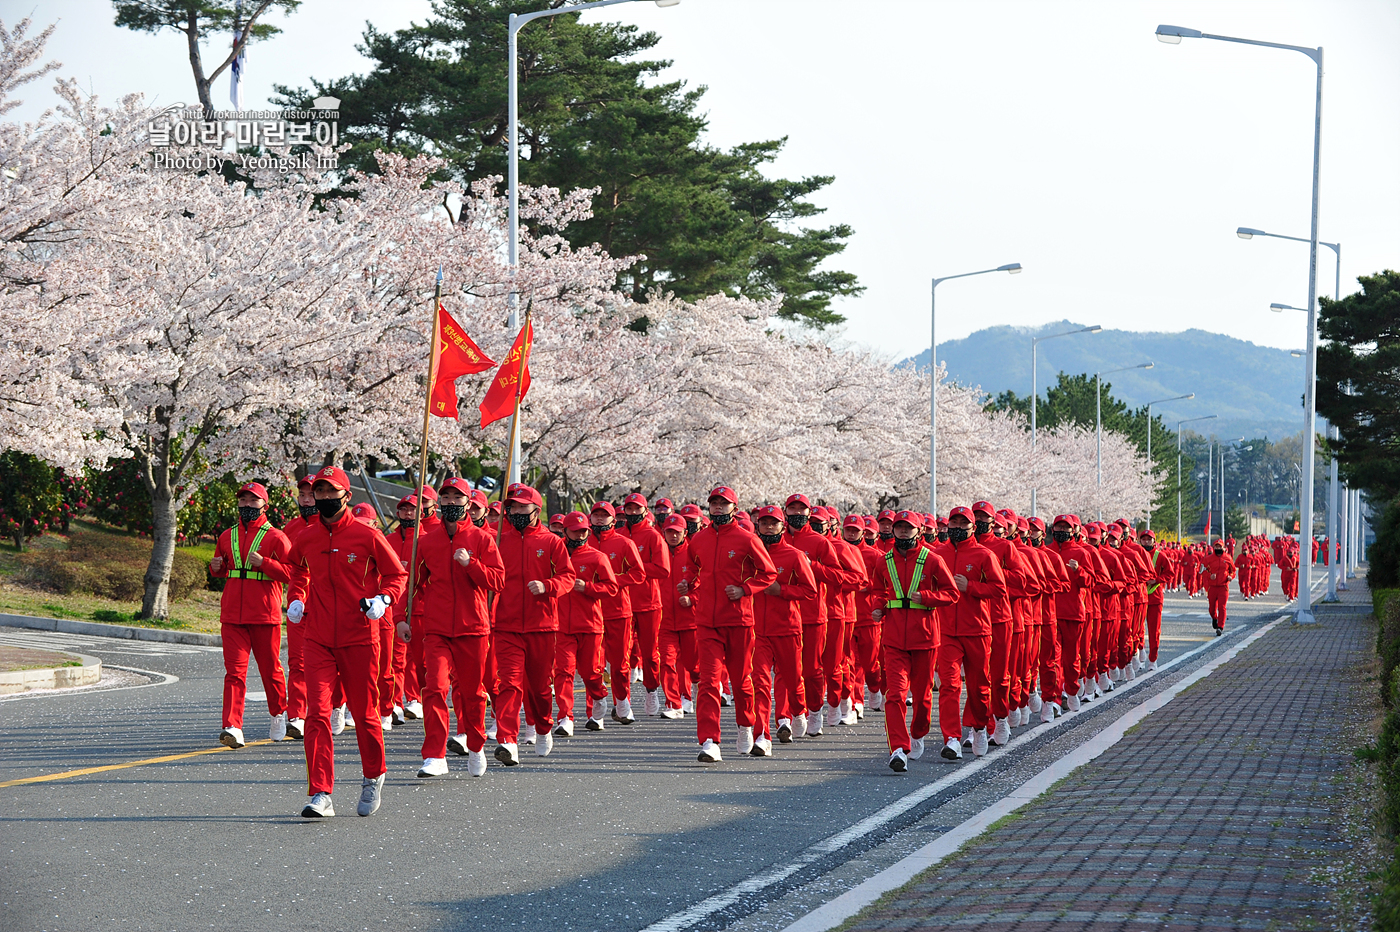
1387	757
110	566
1383	556
31	501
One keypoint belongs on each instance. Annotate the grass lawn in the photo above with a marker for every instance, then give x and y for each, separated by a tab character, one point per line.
16	659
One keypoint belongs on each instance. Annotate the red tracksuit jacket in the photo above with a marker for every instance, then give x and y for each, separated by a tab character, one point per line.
915	628
779	615
626	566
1073	603
674	616
971	614
533	553
727	555
1219	570
656	563
582	612
1013	568
250	601
458	600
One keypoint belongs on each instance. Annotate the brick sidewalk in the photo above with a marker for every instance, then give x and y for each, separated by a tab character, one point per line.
1213	814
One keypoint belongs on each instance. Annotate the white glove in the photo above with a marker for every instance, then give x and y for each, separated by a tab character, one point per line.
374	608
295	611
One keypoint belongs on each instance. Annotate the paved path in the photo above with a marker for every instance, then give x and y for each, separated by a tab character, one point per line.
1216	812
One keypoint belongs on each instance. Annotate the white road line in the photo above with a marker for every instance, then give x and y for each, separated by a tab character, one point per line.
20	637
158	679
713	904
837	911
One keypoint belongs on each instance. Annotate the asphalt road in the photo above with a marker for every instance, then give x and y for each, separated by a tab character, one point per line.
618	830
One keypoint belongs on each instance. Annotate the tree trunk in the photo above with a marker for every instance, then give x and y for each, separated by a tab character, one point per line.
155	603
19	540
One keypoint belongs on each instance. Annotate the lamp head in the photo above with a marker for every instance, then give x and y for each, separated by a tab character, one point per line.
1014	268
1173	35
1249	233
1296	354
1278	308
1188	396
1146	365
668	2
1094	329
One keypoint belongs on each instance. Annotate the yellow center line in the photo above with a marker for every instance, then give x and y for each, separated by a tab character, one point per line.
136	763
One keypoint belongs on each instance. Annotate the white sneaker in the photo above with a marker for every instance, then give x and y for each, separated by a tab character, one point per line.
847	713
814	724
565	728
1047	713
386	722
859	709
319	806
296	728
916	748
476	763
595	718
672	714
232	737
413	710
545	743
1013	718
709	753
371	791
687	706
762	747
636	674
527	735
799	725
784	731
622	712
743	741
1001	735
1073	704
1035	702
726	700
833	715
508	754
490	725
398	716
1132	672
654	702
349	719
1059	709
877	702
1026	714
952	750
277	731
899	763
1103	684
433	767
337	720
979	743
967	736
1151	665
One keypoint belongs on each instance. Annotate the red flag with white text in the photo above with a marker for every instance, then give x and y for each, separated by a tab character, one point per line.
454	355
512	379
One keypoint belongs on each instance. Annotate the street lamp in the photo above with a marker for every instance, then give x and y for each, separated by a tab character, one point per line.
1173	35
516	22
1204	417
1035	342
1013	268
1098	426
1150	471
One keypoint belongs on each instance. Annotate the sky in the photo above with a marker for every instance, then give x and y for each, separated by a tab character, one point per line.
962	136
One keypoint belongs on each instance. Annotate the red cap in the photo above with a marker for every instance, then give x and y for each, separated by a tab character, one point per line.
1113	530
461	485
664	501
410	500
1038	524
855	521
983	507
306	482
575	521
744	521
635	498
520	492
256	488
555	519
673	522
942	522
335	476
797	498
1092	530
428	493
604	506
769	511
871	524
691	511
886	515
1023	524
363	512
910	517
479	498
494	506
724	492
1150	535
1071	520
960	511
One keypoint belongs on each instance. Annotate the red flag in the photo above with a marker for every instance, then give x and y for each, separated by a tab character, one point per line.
512	379
454	355
1207	531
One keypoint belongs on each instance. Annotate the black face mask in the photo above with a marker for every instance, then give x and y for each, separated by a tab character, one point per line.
818	527
958	534
573	544
1037	541
1061	536
691	526
248	513
942	535
903	544
771	539
599	530
306	510
479	522
982	527
519	522
633	520
1149	546
797	522
1219	552
930	536
408	524
887	535
452	513
329	507
721	520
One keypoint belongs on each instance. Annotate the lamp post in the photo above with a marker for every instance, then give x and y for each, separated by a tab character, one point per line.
1098	427
1035	342
1173	35
516	22
1150	470
1013	268
1204	417
1305	487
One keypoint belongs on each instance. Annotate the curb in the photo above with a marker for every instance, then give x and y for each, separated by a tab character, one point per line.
97	629
21	681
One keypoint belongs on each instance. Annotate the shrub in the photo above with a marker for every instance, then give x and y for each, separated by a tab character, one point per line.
31	500
111	566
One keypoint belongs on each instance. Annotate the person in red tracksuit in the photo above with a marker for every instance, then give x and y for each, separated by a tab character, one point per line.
908	585
841	620
250	614
401	539
1116	606
1018	586
296	597
731	566
777	654
1047	659
617	609
1218	570
1072	609
866	672
354	576
1027	614
965	636
646	595
538	574
1288	570
676	642
578	646
1161	568
462	571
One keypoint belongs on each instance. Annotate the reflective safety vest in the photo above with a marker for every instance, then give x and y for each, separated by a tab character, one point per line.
238	571
1154	585
901	600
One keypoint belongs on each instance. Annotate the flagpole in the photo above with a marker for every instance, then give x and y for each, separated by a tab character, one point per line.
515	414
423	462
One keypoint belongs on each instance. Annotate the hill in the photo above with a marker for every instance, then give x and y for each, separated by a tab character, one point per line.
1253	389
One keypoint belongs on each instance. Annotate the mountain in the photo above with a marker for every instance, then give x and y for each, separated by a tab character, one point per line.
1254	390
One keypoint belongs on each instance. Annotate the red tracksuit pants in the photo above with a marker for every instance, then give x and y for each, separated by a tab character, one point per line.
264	642
1288	579
392	656
647	628
617	650
834	660
956	654
1016	669
581	654
723	651
414	675
1070	635
677	650
1106	652
525	664
998	671
777	681
1050	662
1219	599
456	665
865	656
814	682
296	675
357	667
908	671
1154	629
